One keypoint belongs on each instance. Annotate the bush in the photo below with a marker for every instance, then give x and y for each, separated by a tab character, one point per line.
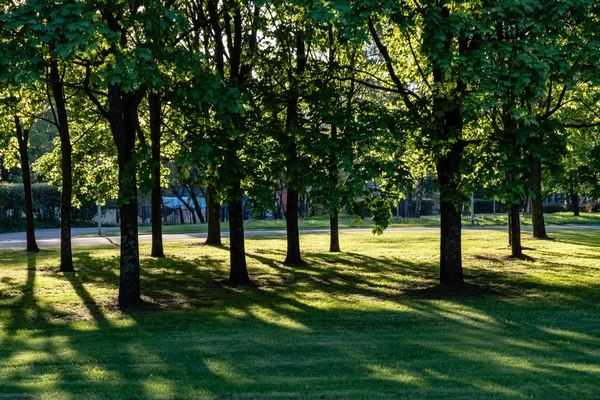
553	208
592	207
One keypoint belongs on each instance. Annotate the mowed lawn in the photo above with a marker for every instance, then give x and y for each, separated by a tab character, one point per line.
369	323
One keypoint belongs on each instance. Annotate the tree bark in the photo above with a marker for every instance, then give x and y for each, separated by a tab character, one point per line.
537	209
155	106
124	123
291	124
23	142
334	236
291	223
515	231
418	197
575	204
197	207
237	252
214	218
449	177
66	149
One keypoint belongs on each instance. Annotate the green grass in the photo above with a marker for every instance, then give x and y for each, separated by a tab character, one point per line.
565	218
368	323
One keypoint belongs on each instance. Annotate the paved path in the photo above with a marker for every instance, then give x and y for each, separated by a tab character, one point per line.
51	237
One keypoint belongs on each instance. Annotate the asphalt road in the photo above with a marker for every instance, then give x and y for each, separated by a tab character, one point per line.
51	237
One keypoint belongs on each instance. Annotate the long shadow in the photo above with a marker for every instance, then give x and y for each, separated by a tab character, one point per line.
93	308
222	340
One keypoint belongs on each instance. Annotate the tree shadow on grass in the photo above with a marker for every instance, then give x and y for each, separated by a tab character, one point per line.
268	337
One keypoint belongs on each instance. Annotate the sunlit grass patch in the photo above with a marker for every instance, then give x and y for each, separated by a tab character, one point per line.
370	322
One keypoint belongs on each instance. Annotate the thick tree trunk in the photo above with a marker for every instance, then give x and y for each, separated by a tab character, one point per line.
334	236
575	204
129	285
124	123
509	227
451	273
214	218
23	141
537	209
291	223
237	252
334	232
66	252
154	102
448	170
515	231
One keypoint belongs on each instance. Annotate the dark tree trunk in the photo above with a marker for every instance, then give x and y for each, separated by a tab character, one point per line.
122	115
129	285
197	207
575	204
239	271
124	123
509	227
515	231
293	235
334	237
23	141
291	223
66	149
448	170
334	231
537	209
186	205
154	102
451	273
214	218
418	197
408	205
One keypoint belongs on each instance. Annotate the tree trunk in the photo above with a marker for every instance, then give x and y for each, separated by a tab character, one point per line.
214	218
237	252
291	223
66	149
509	227
154	103
334	232
23	141
575	204
197	207
187	206
537	209
124	123
515	231
408	205
448	170
334	236
129	285
291	124
419	197
450	244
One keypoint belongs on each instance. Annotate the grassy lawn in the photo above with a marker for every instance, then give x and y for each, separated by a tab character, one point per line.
368	323
565	218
